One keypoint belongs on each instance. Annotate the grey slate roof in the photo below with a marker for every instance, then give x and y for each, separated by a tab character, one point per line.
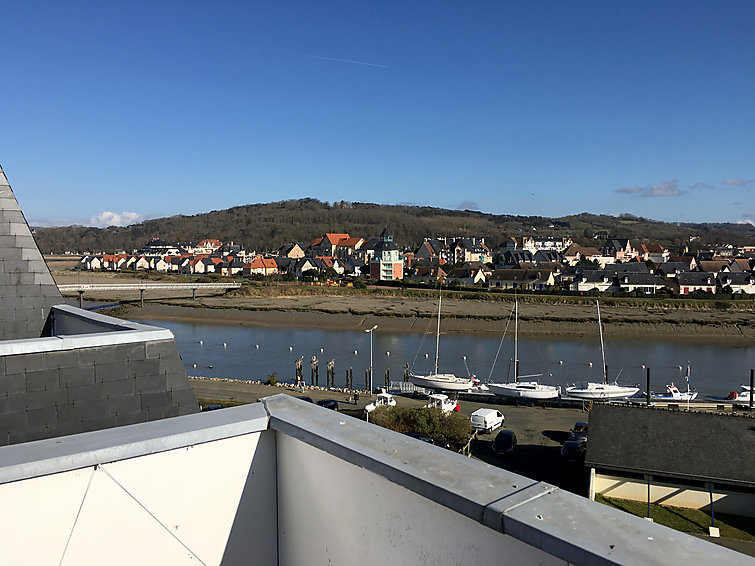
27	288
684	445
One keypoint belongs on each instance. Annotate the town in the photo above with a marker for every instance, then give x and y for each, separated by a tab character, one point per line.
523	263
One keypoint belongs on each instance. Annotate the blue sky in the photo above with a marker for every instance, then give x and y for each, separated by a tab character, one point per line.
111	112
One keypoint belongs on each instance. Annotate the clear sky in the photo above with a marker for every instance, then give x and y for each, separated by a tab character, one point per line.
111	112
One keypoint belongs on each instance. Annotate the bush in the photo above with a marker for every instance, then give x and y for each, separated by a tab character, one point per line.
453	428
272	379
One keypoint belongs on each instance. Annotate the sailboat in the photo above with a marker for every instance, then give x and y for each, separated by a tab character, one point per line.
592	391
440	381
522	389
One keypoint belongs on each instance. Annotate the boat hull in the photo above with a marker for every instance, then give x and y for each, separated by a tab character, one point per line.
524	390
600	391
441	382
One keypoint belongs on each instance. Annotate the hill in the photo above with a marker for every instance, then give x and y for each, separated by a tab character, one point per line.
265	227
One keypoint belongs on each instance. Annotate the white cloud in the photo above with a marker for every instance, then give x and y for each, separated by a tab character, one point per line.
703	186
737	182
665	189
106	218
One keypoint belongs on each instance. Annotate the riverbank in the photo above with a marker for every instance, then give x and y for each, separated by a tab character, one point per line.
415	311
464	318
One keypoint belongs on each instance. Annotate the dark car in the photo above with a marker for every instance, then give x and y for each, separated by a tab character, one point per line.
305	398
421	436
573	451
328	404
579	432
505	442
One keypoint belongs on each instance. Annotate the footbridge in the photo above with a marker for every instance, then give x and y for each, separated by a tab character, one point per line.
142	287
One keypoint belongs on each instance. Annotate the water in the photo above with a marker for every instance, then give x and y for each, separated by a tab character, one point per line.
716	367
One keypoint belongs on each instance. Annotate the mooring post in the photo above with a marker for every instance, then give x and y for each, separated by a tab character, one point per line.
141	296
647	387
351	378
81	298
194	293
752	383
387	378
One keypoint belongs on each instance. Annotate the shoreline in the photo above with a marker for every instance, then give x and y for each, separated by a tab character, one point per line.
544	327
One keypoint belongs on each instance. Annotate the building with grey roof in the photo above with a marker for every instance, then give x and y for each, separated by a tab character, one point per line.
64	370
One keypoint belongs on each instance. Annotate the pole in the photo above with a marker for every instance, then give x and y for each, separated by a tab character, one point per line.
141	296
81	299
712	515
647	477
752	389
647	387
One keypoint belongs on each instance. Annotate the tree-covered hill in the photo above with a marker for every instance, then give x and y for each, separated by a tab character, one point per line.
265	227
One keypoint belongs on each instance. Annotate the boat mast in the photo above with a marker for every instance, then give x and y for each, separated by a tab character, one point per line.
437	332
516	341
602	347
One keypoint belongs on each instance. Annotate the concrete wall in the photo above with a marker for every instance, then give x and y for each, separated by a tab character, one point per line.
356	516
52	393
27	289
733	502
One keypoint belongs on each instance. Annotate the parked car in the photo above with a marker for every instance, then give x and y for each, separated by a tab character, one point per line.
305	398
573	451
505	442
579	432
328	404
486	420
421	436
427	438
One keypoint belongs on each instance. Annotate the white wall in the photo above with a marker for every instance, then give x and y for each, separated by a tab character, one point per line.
333	512
173	507
735	503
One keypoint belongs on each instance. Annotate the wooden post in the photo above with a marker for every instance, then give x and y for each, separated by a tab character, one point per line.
648	385
387	378
752	389
332	372
351	378
300	371
81	298
406	372
141	296
314	370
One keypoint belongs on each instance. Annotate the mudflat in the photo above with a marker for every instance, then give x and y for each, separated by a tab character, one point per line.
415	311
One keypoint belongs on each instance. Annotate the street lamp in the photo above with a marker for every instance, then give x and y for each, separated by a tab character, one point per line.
370	331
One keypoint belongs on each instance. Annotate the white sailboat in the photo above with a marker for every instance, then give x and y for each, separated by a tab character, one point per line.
592	391
440	381
530	389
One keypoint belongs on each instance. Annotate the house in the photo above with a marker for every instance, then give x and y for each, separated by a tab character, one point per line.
305	266
386	264
430	252
286	265
206	247
471	249
739	281
647	283
592	279
427	274
156	248
678	458
619	249
653	252
114	262
576	253
686	283
629	267
513	259
162	264
548	256
466	276
260	266
90	262
325	246
527	279
354	267
291	251
714	266
740	264
137	263
671	268
347	247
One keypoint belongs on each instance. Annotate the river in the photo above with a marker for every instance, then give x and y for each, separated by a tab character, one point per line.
243	352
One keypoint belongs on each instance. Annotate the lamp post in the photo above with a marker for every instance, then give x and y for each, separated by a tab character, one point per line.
370	331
